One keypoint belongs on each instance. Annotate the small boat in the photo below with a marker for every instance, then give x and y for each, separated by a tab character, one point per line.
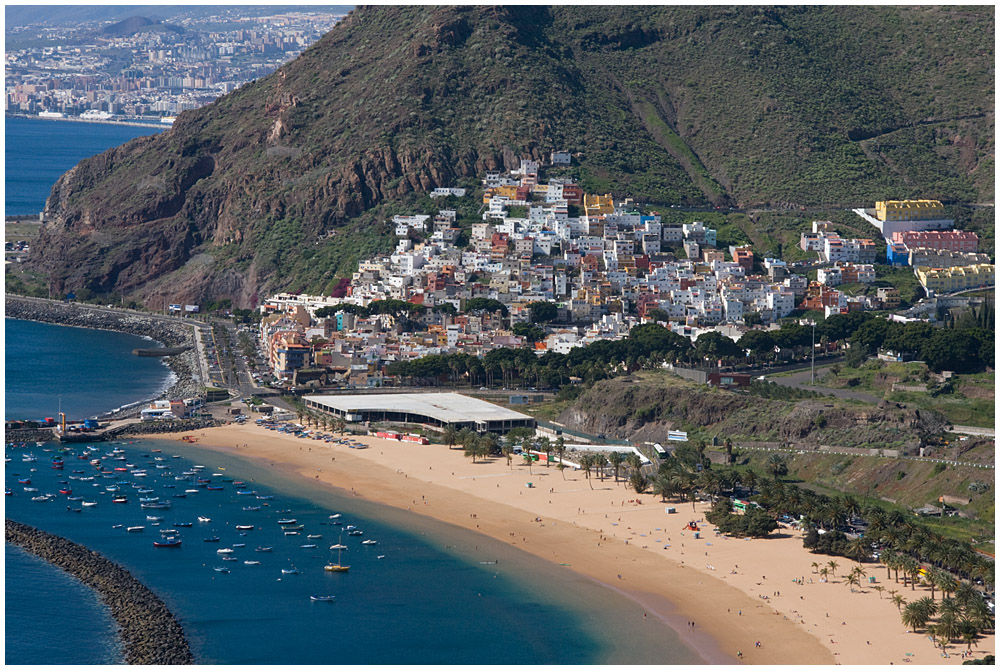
230	558
220	568
117	525
154	518
291	532
89	504
225	550
307	546
204	519
289	571
283	522
334	516
337	547
31	489
245	527
215	488
211	539
298	527
135	529
119	499
264	549
190	490
183	524
168	542
314	537
246	493
322	599
380	556
27	481
238	545
255	508
368	542
251	562
265	497
355	532
336	567
180	495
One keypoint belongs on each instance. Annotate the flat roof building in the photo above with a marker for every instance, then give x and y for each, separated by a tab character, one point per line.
436	409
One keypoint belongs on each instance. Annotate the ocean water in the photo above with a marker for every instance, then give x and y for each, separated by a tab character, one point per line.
426	593
48	613
38	152
88	371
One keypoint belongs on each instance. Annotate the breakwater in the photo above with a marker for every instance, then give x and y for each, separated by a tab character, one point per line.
158	427
149	631
170	332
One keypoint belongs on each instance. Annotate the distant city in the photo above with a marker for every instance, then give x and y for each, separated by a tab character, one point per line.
147	69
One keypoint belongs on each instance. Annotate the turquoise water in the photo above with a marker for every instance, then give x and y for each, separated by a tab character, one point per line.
38	152
47	613
426	593
88	371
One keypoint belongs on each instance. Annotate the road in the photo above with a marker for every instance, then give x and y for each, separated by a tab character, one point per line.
973	430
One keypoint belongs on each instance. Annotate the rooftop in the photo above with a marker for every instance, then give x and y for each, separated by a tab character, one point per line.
446	407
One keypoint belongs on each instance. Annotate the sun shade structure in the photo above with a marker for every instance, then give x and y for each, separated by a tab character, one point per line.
435	409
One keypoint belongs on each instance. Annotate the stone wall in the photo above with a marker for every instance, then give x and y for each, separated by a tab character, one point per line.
150	633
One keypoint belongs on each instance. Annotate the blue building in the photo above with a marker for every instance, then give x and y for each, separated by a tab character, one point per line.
897	254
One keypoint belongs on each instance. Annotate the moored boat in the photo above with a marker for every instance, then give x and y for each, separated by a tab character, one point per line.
322	599
168	542
135	529
245	527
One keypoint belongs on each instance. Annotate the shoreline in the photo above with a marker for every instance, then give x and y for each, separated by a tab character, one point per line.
139	124
148	632
738	591
182	378
668	591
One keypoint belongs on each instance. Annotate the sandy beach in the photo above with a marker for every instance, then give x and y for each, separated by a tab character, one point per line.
737	592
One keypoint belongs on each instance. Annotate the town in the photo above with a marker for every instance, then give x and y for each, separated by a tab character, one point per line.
141	70
550	268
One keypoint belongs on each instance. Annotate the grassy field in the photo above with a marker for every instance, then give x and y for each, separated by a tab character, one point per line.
21	230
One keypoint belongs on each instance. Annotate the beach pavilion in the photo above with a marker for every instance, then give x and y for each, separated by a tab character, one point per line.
435	409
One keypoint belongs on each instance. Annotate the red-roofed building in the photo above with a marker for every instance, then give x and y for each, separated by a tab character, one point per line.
951	240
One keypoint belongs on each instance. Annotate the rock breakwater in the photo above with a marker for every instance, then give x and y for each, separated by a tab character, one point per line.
150	633
170	332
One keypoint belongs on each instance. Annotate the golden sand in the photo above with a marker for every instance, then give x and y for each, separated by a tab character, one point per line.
739	592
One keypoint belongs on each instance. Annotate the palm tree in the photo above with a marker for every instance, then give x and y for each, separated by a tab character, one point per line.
913	617
853	580
859	548
633	461
947	628
560	450
815	566
545	446
662	486
898	601
912	570
947	583
528	460
449	436
949	606
833	567
616	458
824	572
879	589
777	465
586	463
507	451
968	635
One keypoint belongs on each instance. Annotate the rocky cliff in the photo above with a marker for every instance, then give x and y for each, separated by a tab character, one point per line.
286	182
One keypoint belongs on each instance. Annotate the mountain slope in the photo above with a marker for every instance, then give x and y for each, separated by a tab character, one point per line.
288	180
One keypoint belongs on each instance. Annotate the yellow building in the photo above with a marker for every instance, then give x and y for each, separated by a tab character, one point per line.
909	210
594	205
948	280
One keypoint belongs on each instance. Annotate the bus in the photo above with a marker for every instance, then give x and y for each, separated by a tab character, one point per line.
660	451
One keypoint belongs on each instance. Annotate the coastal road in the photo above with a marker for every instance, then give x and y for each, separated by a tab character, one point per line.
973	430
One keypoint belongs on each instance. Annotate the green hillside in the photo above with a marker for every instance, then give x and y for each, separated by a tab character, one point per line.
287	181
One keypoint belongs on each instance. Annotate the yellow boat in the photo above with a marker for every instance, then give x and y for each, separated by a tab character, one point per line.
336	567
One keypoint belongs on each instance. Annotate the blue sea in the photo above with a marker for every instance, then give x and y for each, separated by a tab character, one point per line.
426	593
39	151
86	372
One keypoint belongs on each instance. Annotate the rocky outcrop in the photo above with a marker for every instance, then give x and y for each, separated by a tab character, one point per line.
645	411
150	633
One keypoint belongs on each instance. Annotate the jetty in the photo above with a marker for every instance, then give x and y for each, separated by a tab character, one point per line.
160	351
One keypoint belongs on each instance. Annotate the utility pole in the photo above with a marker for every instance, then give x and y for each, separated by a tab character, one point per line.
812	376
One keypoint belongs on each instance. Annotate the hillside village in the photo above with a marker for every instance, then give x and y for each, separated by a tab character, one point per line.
552	268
